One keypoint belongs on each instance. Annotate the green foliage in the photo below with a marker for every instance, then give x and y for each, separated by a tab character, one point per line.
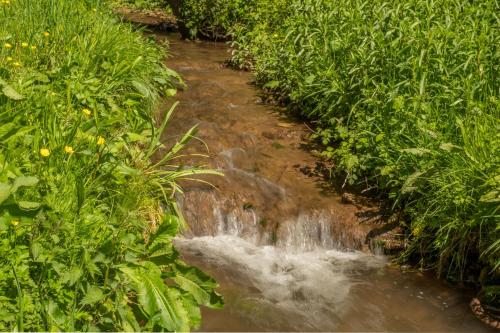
87	216
214	18
404	95
140	4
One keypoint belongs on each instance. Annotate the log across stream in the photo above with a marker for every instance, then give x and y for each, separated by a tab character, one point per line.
289	254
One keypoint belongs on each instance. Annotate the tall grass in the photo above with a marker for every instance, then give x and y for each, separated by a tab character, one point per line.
405	96
86	217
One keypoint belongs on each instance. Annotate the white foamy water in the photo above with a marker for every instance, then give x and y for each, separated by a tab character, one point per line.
311	286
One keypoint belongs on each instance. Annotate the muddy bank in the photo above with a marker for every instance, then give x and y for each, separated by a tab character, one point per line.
156	19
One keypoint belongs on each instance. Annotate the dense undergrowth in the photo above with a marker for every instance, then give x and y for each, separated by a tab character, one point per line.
405	97
86	215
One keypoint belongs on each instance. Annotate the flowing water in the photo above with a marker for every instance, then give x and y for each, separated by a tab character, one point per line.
288	253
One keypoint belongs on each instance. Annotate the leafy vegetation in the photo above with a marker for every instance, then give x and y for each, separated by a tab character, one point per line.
405	97
87	214
140	4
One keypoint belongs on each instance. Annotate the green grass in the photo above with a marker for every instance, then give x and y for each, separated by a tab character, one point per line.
405	96
87	216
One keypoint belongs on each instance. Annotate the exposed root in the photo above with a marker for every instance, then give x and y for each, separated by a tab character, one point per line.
479	311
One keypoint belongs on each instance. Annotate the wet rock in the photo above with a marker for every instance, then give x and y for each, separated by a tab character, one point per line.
388	243
347	198
269	135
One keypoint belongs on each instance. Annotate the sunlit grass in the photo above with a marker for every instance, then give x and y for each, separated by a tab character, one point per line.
86	216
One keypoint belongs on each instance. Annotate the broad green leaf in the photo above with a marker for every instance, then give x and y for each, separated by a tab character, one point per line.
141	88
57	318
134	137
156	298
193	309
5	192
29	205
201	296
36	249
11	93
127	319
6	129
170	92
94	294
72	275
27	181
191	278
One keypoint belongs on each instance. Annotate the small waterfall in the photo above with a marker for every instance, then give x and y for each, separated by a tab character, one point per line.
305	289
308	232
215	215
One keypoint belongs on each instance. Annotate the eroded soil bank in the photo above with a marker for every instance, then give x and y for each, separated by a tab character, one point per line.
283	244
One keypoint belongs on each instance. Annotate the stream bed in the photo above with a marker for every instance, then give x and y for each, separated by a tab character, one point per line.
288	252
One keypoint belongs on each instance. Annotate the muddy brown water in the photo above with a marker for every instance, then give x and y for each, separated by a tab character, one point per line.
287	253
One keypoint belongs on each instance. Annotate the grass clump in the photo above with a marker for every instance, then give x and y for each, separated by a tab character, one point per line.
86	216
405	96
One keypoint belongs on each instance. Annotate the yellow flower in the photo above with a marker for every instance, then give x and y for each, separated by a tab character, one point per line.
17	64
100	141
87	112
275	35
69	150
33	47
45	152
7	45
417	231
9	59
46	34
14	222
24	44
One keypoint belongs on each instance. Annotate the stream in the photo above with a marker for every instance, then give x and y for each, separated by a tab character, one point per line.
288	252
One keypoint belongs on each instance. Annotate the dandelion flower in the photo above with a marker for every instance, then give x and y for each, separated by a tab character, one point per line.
33	47
45	152
14	222
46	34
7	45
68	150
24	44
87	112
17	64
9	59
100	141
